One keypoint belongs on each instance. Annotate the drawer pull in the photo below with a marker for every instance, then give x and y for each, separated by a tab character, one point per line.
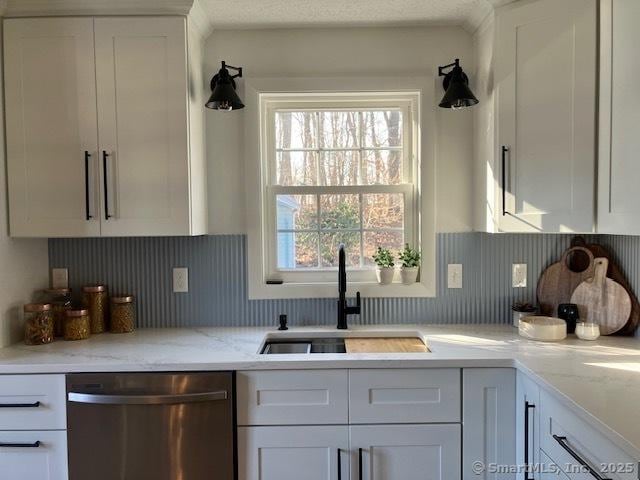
564	444
21	445
339	465
360	464
20	405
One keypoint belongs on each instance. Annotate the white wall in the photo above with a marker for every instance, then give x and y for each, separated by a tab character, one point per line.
24	263
339	52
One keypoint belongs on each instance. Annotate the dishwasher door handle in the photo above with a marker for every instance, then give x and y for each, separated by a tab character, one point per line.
99	399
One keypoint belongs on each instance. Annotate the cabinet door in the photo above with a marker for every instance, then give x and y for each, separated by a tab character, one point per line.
546	108
33	455
49	75
141	69
416	452
527	426
488	418
292	453
618	167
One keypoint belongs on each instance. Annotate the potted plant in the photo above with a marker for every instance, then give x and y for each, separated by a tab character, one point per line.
384	266
410	265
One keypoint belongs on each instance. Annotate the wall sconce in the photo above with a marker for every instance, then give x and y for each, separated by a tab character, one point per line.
456	85
223	90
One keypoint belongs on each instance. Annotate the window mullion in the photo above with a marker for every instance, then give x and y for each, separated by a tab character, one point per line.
361	199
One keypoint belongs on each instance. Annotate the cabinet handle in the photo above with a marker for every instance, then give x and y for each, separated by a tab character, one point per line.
527	465
505	150
106	185
87	156
564	444
339	465
20	405
181	398
21	445
359	464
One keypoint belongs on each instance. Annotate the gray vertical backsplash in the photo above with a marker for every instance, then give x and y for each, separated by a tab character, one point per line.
218	281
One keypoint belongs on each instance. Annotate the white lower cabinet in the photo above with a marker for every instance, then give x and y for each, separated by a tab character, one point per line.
33	455
488	419
293	452
528	427
399	452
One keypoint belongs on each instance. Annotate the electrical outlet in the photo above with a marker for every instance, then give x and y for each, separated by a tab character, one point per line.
59	278
519	275
454	275
180	280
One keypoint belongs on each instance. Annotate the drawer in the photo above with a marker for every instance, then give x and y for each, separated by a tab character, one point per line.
562	430
404	396
292	397
32	402
34	455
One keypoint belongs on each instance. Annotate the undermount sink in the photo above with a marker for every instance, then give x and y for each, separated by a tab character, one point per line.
315	345
342	342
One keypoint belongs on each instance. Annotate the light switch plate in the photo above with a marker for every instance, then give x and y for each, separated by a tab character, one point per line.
519	275
59	278
454	275
180	280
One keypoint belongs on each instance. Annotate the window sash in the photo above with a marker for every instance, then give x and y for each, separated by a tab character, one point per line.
271	188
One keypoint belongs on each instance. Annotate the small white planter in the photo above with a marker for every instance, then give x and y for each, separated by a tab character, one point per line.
409	275
385	275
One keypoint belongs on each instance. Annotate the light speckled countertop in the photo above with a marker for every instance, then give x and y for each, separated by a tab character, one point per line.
599	380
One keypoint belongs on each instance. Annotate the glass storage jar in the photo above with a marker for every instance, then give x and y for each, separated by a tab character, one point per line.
38	324
77	325
60	301
123	314
95	299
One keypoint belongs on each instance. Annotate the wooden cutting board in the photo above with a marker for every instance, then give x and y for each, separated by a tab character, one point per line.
557	283
385	345
601	300
614	273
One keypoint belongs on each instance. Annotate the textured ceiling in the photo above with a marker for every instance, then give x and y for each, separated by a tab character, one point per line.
225	14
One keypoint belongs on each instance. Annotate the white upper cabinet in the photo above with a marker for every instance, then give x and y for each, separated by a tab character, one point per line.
52	139
545	78
618	165
119	89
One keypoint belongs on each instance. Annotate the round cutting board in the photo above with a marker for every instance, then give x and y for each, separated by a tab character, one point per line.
601	300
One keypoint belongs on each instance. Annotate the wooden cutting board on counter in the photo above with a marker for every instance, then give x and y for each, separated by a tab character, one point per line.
601	300
385	345
558	282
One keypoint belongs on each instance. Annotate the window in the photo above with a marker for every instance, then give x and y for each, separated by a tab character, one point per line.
337	170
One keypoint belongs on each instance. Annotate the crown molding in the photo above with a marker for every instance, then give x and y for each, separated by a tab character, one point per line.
35	8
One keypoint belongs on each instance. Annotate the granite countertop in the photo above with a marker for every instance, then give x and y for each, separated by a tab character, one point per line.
600	380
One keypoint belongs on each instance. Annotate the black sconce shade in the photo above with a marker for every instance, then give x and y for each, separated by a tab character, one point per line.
223	90
456	84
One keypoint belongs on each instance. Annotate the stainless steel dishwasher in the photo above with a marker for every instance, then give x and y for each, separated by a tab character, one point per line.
151	426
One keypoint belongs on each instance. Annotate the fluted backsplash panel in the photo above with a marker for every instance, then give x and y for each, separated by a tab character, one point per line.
218	281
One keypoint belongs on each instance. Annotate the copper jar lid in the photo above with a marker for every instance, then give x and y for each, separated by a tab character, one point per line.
76	313
37	307
124	298
94	288
58	291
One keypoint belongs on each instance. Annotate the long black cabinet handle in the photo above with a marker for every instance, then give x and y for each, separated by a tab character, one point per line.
21	445
339	465
564	444
87	156
360	464
527	465
105	179
20	405
505	150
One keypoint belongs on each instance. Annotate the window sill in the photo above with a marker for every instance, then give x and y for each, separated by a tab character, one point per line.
330	290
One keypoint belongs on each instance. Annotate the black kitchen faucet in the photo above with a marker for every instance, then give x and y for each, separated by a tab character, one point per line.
343	308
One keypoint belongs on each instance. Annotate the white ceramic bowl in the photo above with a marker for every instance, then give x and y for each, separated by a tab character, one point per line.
587	331
545	329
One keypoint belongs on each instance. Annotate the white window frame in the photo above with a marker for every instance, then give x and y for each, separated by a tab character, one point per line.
263	97
270	104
